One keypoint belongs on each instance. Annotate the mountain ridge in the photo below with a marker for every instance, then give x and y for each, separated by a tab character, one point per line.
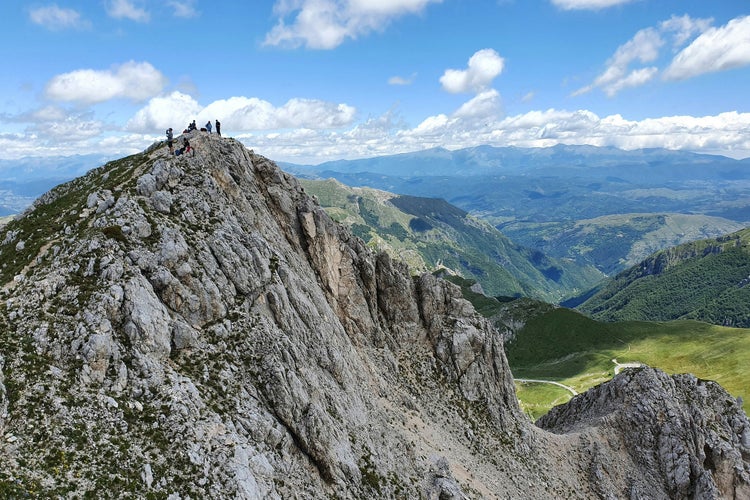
198	326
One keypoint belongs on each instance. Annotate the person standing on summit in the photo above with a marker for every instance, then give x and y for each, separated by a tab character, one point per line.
208	126
218	127
169	140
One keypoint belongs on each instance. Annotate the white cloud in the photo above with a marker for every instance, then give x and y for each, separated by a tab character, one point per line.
175	110
716	49
726	133
326	24
400	80
52	130
484	66
73	128
184	8
125	9
643	47
241	114
55	131
132	80
484	105
587	4
684	27
55	18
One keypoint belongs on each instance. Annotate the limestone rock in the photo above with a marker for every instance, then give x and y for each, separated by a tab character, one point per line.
198	327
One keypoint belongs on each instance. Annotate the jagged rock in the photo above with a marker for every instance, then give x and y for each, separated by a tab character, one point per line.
198	327
687	436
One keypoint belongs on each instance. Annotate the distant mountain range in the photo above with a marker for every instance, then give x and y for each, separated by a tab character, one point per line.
553	198
25	179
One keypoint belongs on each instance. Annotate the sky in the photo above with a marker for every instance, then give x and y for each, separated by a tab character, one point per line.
307	81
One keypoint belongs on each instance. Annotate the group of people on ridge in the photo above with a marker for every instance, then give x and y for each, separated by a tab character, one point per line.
186	148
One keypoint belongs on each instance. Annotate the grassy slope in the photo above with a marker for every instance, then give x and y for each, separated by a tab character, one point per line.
567	347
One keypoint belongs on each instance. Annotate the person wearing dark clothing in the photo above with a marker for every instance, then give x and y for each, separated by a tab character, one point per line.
208	126
170	137
186	146
218	127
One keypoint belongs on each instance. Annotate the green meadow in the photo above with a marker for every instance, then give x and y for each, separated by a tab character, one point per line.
567	347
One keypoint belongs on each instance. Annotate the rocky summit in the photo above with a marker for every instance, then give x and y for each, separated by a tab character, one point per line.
198	327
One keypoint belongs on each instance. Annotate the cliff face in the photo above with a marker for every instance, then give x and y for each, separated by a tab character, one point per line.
197	326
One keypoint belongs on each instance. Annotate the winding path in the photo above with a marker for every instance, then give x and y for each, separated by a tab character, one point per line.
618	367
531	380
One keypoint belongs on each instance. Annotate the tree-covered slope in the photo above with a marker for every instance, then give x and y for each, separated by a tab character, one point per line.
705	280
430	234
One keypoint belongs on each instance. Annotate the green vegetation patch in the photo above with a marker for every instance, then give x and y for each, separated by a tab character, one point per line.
705	280
537	399
567	347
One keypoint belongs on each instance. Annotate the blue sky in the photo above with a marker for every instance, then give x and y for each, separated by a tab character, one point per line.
307	81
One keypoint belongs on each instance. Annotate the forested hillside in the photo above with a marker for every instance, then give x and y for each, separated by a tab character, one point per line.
705	280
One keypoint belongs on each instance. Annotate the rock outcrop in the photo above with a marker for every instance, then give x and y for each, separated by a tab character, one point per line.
190	327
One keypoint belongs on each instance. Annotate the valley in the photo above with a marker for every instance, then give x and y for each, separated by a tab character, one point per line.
599	209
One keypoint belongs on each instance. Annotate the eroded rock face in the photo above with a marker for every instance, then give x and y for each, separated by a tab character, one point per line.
199	327
687	436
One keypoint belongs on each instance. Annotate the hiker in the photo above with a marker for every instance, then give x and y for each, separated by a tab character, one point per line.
169	140
186	146
208	126
218	127
192	126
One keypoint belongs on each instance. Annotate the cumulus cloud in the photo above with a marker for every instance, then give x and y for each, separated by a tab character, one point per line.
326	24
55	18
241	114
716	49
73	128
125	9
132	80
484	105
51	130
298	134
174	110
726	133
711	50
587	4
483	67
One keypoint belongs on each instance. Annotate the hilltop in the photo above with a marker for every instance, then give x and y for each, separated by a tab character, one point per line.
200	327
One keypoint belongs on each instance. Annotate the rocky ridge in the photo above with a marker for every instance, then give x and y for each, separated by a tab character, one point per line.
198	327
